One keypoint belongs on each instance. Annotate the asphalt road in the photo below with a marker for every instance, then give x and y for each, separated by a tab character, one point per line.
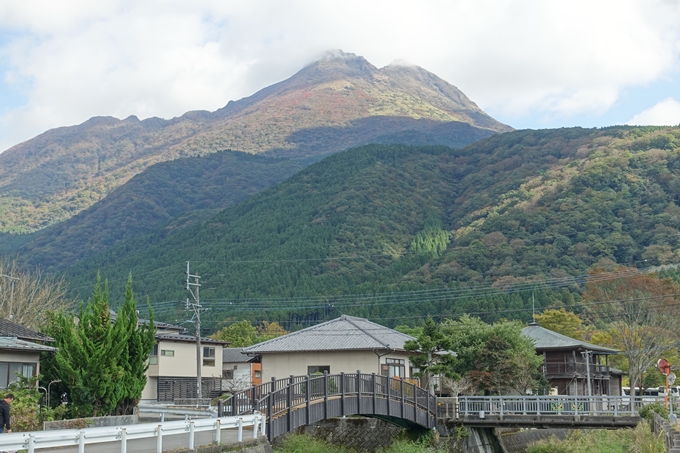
148	445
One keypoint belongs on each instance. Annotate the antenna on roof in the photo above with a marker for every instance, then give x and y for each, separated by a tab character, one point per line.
533	307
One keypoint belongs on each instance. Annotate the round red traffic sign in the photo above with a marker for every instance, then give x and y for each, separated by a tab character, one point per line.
664	366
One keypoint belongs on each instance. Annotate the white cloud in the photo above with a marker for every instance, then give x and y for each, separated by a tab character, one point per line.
75	58
664	113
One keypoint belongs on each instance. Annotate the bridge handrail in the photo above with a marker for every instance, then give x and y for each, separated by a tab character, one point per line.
33	440
550	405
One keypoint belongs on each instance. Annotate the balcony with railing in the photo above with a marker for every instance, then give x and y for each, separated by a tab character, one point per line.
570	369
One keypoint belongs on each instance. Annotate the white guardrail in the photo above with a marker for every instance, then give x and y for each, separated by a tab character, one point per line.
35	440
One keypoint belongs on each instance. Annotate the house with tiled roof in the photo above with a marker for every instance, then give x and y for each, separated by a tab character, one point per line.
239	370
345	344
20	349
574	367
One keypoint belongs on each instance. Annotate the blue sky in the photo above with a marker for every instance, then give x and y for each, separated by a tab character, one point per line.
528	63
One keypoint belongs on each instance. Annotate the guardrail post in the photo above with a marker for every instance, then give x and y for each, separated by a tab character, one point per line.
218	431
342	393
308	396
524	405
239	436
375	396
162	417
159	439
81	442
123	440
191	435
256	425
264	425
31	443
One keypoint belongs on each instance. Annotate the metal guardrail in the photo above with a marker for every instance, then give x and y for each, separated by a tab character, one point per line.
465	406
32	441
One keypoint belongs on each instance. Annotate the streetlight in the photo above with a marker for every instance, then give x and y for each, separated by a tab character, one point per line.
11	298
48	390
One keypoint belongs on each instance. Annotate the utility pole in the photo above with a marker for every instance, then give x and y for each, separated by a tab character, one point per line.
196	318
11	297
586	355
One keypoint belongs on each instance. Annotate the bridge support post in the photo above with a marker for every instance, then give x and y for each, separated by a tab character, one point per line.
325	394
254	404
374	389
220	409
308	393
291	381
403	402
428	410
270	407
342	394
389	398
358	391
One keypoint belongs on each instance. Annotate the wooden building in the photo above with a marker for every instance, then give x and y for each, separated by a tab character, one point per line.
574	367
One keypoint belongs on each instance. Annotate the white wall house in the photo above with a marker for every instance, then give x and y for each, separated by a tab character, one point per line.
172	369
345	344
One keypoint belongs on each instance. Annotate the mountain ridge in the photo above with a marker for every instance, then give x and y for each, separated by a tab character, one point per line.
65	170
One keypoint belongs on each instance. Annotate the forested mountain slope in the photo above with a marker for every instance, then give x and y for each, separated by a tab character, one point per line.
335	103
516	207
171	195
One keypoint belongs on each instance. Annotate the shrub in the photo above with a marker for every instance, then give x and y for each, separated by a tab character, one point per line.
647	412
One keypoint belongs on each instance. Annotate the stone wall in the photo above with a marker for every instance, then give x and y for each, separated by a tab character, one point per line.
671	435
358	433
77	423
259	445
517	441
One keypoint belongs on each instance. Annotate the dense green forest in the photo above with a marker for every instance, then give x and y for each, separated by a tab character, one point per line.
171	195
397	233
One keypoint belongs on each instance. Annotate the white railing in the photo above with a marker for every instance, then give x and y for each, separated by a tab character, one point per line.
553	405
34	440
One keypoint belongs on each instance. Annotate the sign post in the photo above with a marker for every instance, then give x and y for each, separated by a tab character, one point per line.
665	369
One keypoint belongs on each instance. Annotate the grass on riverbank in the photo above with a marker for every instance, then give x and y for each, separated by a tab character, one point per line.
307	444
638	440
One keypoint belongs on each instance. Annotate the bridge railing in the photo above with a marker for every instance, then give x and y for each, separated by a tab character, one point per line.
464	406
281	396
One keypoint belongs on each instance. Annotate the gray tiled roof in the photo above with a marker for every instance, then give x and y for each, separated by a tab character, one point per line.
341	334
186	338
545	340
12	329
16	344
235	355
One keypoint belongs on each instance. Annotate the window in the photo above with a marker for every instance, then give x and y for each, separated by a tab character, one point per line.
10	370
396	368
318	369
153	356
168	352
208	356
258	374
228	374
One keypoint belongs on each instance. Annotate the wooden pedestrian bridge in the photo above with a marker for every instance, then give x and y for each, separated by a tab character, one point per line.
303	400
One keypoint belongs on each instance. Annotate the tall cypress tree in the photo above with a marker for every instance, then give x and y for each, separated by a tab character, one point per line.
101	363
